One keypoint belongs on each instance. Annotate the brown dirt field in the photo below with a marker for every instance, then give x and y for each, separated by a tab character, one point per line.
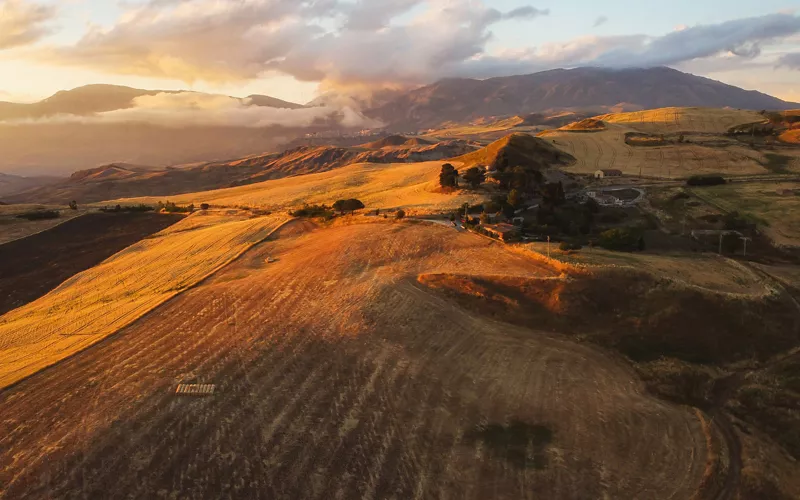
338	376
32	266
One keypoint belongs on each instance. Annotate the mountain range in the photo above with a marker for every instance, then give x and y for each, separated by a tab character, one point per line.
33	143
587	89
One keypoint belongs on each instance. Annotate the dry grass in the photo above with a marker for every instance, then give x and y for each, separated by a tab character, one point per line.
96	303
476	130
778	215
607	149
587	125
666	120
413	187
791	136
707	272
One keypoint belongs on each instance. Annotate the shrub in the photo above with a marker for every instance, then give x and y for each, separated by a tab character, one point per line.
172	208
401	214
626	239
73	205
312	211
706	180
566	246
350	205
40	215
205	206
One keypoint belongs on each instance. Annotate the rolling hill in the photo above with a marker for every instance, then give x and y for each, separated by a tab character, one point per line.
516	150
126	181
463	100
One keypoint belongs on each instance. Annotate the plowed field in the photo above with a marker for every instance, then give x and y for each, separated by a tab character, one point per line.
97	302
339	376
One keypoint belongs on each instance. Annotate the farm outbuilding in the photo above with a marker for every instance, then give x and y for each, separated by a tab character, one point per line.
602	174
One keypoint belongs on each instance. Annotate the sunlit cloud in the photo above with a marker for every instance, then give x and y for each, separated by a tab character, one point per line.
23	22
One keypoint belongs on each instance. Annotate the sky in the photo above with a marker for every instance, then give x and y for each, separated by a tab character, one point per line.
298	49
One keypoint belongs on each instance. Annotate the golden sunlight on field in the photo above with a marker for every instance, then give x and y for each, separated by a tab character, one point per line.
98	302
663	120
411	186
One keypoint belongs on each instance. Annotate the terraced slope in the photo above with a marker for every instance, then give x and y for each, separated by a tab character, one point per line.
99	301
339	376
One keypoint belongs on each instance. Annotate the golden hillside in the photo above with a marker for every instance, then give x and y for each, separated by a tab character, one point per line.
664	120
96	303
413	186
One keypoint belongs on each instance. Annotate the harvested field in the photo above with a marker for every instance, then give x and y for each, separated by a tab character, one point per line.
665	120
32	266
608	149
96	303
339	376
413	186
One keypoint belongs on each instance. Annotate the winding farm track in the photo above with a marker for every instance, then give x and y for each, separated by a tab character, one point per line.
338	375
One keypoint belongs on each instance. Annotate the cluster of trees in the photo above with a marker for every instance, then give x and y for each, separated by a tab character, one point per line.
133	208
473	177
622	239
313	211
171	208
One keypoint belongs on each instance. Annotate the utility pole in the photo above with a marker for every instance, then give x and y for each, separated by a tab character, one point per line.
548	247
721	235
745	239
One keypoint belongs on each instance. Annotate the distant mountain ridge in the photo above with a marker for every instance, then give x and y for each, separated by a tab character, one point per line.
120	180
462	100
91	99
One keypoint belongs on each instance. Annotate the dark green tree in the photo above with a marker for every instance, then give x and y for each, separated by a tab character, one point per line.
475	177
350	205
448	178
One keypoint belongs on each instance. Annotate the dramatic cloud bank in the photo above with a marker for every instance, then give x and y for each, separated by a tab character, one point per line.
23	23
367	44
187	109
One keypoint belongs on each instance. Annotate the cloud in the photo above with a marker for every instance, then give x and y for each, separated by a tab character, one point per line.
186	109
742	37
366	41
378	43
600	21
791	61
23	22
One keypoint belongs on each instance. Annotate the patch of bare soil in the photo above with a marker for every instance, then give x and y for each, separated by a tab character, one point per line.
30	267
